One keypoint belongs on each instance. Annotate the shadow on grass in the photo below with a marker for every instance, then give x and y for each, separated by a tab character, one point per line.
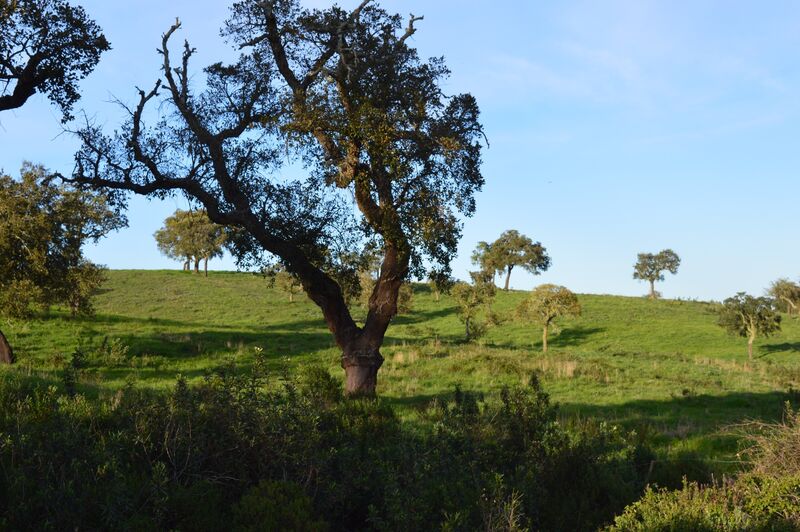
779	348
572	336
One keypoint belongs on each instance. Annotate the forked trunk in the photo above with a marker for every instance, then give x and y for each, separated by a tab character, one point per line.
544	339
6	353
186	264
508	278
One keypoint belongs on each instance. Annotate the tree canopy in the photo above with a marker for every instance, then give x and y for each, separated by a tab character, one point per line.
46	46
345	94
41	239
748	316
510	250
191	236
651	267
787	295
545	304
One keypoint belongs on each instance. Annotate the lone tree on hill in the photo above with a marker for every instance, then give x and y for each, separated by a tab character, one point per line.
510	250
472	299
191	236
749	317
287	283
545	304
650	267
343	92
787	295
46	46
43	230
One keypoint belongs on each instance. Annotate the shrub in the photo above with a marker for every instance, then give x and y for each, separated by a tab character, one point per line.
238	449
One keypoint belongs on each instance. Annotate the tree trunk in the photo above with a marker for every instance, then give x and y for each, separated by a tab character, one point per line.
544	339
652	289
466	329
508	278
361	360
750	348
186	265
196	265
205	266
291	297
6	353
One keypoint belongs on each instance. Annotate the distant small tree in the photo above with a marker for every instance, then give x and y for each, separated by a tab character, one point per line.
44	228
787	295
440	284
472	299
650	267
191	236
512	249
545	304
46	46
288	283
749	317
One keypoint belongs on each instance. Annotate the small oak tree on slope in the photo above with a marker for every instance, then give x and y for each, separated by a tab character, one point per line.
651	268
191	236
545	304
749	317
473	300
46	46
787	295
510	250
342	92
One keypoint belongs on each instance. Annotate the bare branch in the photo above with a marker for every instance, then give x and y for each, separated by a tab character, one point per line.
410	29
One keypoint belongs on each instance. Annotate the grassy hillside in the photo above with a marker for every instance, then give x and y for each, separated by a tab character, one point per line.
661	367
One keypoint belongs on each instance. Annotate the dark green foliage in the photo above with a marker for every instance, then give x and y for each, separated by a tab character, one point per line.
272	506
227	452
46	46
41	238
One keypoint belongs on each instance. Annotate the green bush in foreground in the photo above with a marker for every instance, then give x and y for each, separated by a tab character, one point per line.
750	503
228	454
767	498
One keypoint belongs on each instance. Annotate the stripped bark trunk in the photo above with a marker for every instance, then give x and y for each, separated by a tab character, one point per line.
6	353
544	339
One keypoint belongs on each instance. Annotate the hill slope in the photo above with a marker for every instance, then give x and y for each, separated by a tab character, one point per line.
658	366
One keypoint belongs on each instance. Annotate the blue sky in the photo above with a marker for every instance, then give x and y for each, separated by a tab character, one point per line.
615	127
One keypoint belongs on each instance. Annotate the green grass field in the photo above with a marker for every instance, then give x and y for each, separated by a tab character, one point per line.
660	367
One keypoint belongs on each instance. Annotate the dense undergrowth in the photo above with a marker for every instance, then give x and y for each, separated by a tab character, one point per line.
230	450
235	451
